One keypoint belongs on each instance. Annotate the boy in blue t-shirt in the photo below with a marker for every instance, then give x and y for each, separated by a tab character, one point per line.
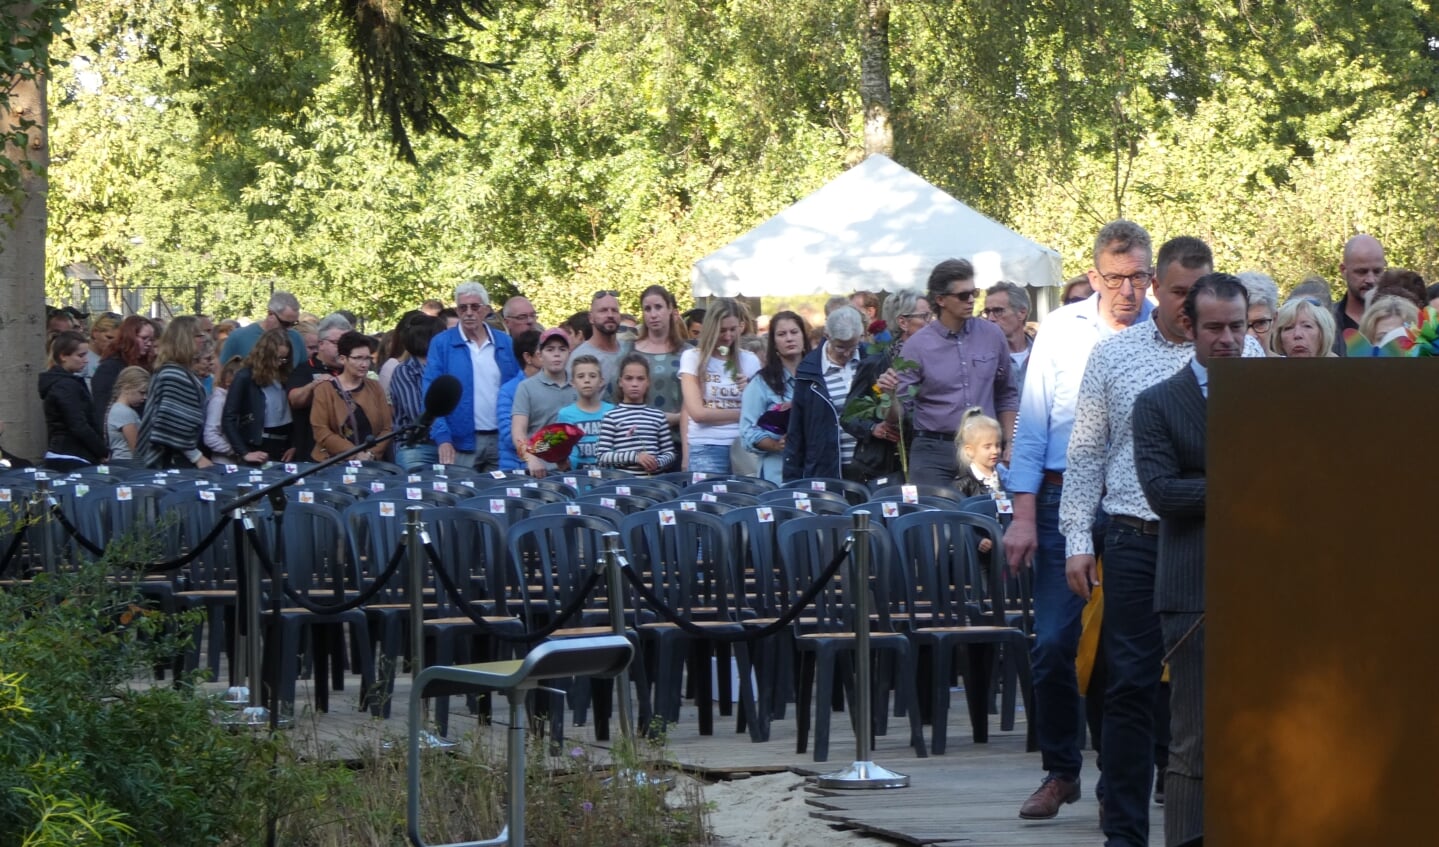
588	411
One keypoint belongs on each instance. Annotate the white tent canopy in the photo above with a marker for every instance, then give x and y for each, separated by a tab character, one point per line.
876	227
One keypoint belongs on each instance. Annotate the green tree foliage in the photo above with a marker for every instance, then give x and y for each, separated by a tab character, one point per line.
226	148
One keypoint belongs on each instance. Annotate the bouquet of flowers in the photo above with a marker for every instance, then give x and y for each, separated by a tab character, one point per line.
775	419
553	443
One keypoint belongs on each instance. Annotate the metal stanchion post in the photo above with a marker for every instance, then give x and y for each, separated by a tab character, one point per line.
47	523
416	538
256	714
238	694
863	773
617	625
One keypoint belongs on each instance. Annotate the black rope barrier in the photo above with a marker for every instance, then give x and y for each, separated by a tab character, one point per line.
154	567
488	627
14	549
751	634
322	608
90	546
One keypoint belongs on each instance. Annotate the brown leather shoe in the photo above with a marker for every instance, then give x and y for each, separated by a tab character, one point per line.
1053	792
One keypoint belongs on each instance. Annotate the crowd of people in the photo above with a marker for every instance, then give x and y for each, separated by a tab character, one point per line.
1090	427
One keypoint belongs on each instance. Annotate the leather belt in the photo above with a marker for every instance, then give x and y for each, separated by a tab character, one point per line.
487	432
1143	527
1054	477
938	436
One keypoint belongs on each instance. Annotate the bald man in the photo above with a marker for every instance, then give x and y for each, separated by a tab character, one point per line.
519	315
1361	265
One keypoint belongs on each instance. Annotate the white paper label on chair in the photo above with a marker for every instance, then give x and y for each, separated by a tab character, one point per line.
514	492
497	474
348	479
721	488
803	505
697	476
291	467
608	502
1003	505
81	489
256	476
208	495
688	506
377	487
122	492
622	490
817	485
909	493
414	494
307	496
41	476
437	467
497	506
387	508
355	463
709	498
231	468
4	495
532	485
414	477
201	483
102	469
573	509
595	473
889	509
766	514
572	482
440	486
667	517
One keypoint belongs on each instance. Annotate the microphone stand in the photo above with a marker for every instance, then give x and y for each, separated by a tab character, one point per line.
275	491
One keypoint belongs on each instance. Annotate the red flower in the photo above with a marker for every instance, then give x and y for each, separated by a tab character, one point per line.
877	327
553	443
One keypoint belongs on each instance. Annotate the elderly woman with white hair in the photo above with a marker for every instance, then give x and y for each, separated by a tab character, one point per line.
1263	305
1302	331
818	443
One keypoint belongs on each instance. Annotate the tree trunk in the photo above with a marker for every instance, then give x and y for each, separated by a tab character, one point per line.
22	275
874	78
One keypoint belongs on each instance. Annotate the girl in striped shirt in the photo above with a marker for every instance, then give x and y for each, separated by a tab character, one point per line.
633	436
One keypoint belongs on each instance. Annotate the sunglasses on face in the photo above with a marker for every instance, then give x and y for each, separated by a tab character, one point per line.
966	296
469	307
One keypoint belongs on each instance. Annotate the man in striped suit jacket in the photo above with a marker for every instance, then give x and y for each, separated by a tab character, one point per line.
1169	455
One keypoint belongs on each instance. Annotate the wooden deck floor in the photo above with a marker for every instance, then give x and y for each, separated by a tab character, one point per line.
969	796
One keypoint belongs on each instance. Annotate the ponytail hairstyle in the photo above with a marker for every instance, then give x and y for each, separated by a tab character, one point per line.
972	424
63	344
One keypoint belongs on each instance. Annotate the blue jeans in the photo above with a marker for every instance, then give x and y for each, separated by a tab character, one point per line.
709	458
420	454
1056	628
1133	650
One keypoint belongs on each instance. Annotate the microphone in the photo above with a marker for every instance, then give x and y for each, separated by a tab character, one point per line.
440	400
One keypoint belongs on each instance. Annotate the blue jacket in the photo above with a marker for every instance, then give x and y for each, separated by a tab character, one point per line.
812	442
449	355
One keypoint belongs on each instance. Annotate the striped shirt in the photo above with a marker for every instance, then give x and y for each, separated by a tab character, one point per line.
837	381
406	396
629	430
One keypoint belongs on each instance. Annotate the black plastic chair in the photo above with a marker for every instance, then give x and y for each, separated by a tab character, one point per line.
809	545
655	489
594	510
685	559
625	503
511	509
898	492
854	492
753	486
957	602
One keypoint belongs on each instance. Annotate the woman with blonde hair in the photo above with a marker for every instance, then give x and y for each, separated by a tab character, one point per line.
257	421
1387	318
174	419
713	376
1302	331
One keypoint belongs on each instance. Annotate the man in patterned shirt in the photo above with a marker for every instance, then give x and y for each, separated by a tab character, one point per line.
1101	473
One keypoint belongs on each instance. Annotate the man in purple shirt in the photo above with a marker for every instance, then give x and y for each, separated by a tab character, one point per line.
961	361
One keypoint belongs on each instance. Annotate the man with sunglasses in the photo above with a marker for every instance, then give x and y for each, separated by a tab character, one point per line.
283	312
604	343
482	359
961	361
1007	306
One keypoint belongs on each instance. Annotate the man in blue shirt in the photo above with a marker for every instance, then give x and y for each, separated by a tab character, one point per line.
283	310
1123	259
482	360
